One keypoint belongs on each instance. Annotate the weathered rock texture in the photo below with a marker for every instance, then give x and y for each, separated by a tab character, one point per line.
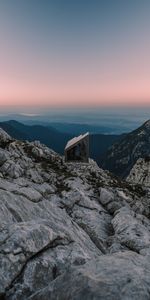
69	231
140	173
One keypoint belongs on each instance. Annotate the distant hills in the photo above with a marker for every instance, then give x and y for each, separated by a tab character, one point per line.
79	128
75	121
46	135
56	140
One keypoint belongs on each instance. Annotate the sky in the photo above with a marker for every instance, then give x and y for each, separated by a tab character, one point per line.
74	52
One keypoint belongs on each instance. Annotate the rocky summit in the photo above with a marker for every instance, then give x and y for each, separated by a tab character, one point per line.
70	231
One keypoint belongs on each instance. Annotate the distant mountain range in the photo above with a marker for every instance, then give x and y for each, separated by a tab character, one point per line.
64	126
56	140
121	156
75	121
46	135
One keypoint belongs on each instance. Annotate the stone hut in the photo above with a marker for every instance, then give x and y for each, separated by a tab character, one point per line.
77	149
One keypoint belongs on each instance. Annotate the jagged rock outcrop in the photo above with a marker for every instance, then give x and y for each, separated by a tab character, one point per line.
140	173
4	138
122	156
69	231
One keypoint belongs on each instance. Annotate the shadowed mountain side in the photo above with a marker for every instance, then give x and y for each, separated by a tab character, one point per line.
121	157
100	143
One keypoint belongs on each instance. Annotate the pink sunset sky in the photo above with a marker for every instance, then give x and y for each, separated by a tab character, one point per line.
54	64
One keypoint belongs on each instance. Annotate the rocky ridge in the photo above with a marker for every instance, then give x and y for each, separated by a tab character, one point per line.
69	231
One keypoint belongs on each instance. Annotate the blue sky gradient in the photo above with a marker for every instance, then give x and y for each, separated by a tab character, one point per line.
56	52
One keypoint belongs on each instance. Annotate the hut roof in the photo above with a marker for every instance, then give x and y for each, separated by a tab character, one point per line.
75	140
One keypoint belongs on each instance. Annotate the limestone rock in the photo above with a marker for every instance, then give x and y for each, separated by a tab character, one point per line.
123	276
69	230
4	138
140	173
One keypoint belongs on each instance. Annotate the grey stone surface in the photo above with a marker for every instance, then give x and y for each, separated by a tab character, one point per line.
140	173
123	276
69	231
